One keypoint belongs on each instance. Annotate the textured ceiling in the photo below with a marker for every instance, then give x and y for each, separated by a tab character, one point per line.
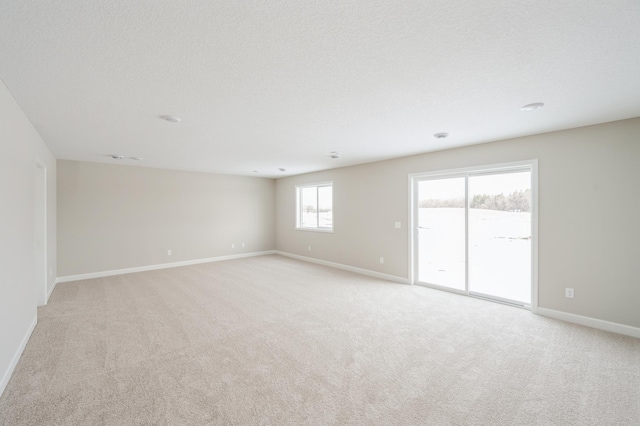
262	85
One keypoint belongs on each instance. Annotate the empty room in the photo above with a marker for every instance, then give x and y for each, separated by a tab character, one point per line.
319	212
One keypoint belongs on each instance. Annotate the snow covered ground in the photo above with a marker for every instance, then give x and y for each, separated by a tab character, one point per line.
499	251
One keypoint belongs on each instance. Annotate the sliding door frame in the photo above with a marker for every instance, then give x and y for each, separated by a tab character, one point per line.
414	179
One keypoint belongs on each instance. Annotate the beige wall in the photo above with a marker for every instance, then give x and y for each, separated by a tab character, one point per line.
589	201
113	217
22	146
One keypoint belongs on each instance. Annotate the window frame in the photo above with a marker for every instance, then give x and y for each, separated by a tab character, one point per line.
299	207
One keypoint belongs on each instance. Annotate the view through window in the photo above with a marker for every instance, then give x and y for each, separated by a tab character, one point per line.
314	206
474	232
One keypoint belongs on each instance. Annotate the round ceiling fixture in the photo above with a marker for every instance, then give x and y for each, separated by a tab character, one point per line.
532	107
334	154
441	135
171	118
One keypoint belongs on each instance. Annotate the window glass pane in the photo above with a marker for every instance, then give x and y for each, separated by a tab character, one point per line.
325	207
500	235
309	207
441	232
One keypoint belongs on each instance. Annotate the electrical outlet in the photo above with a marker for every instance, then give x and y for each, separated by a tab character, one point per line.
398	225
568	292
381	260
233	245
309	248
168	252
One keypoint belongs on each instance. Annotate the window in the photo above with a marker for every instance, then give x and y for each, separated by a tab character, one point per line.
314	207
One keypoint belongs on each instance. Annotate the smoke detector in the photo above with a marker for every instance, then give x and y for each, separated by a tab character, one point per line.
334	154
441	135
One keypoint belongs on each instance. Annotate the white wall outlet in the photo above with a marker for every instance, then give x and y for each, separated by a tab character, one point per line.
398	225
242	244
381	260
233	245
168	252
568	292
309	248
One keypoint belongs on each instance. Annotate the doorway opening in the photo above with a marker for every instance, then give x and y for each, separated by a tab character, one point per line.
40	233
474	231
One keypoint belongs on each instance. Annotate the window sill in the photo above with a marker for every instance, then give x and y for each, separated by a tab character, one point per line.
326	231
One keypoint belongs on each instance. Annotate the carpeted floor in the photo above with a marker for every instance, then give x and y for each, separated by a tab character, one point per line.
271	340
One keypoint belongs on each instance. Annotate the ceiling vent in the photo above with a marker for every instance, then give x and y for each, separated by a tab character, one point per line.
532	107
171	118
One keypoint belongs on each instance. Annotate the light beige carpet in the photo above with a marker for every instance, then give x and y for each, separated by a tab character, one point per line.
270	340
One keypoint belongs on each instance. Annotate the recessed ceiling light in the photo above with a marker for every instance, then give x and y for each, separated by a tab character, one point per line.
334	154
171	118
135	158
441	135
532	107
282	170
117	157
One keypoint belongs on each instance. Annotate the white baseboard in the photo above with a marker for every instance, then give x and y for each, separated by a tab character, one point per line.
53	287
101	274
361	271
550	313
614	327
14	361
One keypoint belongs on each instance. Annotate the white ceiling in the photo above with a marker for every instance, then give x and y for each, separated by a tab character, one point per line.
261	85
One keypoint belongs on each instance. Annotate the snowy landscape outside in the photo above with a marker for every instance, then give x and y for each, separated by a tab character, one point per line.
499	251
316	207
499	235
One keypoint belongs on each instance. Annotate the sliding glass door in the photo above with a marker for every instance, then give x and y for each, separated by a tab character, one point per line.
473	232
441	229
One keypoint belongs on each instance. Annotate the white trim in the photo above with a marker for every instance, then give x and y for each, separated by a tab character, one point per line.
614	327
53	287
360	271
16	357
160	266
467	250
318	228
42	292
323	183
325	230
412	231
534	235
480	168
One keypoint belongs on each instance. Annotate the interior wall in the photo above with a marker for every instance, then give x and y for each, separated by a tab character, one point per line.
22	146
588	207
114	217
